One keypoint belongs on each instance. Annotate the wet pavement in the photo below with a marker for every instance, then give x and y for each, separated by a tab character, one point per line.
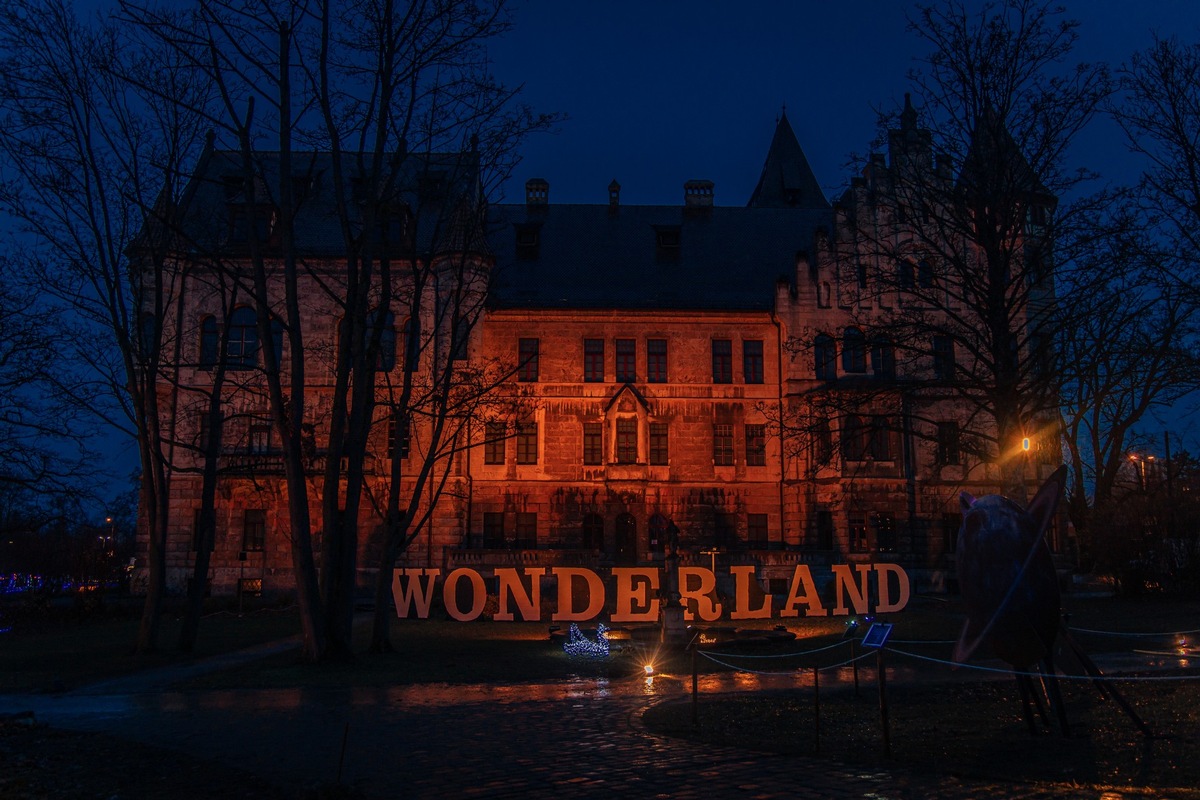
562	739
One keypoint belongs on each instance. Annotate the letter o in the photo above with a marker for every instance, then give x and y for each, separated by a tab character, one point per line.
450	594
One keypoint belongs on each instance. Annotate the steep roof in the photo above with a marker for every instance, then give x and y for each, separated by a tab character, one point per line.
599	257
431	187
787	181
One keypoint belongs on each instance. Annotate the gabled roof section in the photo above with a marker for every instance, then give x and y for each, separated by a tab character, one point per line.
787	181
995	164
627	388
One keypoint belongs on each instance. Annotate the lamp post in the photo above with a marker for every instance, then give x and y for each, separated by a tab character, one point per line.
1140	462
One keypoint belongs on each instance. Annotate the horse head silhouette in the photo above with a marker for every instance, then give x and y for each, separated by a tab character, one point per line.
1007	578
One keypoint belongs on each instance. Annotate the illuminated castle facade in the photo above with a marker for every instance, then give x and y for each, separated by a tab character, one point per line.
667	359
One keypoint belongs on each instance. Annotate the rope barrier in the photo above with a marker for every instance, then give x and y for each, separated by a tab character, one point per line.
1132	635
782	655
1002	671
736	668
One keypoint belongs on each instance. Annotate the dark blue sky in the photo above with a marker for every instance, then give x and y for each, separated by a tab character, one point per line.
662	92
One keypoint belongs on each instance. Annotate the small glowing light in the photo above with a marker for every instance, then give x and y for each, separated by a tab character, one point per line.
648	669
1025	444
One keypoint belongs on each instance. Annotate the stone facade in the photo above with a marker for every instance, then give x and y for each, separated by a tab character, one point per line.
660	352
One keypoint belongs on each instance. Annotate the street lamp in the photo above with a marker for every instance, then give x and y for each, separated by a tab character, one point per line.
1140	461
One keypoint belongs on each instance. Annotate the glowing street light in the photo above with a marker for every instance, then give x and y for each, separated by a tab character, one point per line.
1140	461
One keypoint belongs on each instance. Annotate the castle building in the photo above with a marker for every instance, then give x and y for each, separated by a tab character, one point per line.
672	364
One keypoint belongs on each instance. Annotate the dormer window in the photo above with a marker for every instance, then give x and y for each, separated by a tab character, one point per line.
667	240
528	241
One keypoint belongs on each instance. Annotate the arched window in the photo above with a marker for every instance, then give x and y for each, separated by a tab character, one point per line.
825	356
383	326
883	357
925	274
854	351
593	532
243	338
904	273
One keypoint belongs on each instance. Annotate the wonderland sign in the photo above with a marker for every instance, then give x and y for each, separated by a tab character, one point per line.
582	594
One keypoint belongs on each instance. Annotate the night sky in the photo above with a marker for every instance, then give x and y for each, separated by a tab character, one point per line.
658	93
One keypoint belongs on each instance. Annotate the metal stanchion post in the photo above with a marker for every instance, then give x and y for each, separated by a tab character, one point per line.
817	706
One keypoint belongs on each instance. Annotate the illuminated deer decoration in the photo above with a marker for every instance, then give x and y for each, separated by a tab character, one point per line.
1010	588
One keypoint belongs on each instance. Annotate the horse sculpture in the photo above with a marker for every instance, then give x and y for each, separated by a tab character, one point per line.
1010	590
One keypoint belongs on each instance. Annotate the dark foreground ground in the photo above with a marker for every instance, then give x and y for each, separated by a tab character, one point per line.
954	735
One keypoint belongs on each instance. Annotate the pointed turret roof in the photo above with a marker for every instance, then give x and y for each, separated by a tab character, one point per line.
787	181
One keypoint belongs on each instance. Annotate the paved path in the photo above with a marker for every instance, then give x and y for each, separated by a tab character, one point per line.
565	739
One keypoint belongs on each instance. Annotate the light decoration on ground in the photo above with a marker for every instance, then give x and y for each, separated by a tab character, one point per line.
579	645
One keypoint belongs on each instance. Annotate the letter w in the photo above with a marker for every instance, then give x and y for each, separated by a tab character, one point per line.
422	593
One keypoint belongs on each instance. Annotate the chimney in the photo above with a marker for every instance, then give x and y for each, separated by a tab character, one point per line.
698	194
614	195
537	192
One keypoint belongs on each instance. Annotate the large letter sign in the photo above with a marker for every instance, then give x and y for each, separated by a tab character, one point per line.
636	593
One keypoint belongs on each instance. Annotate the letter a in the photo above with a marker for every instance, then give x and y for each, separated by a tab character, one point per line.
802	579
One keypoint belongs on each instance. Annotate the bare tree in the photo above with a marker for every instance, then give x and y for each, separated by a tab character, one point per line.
954	246
89	162
42	440
1130	348
387	107
1159	110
